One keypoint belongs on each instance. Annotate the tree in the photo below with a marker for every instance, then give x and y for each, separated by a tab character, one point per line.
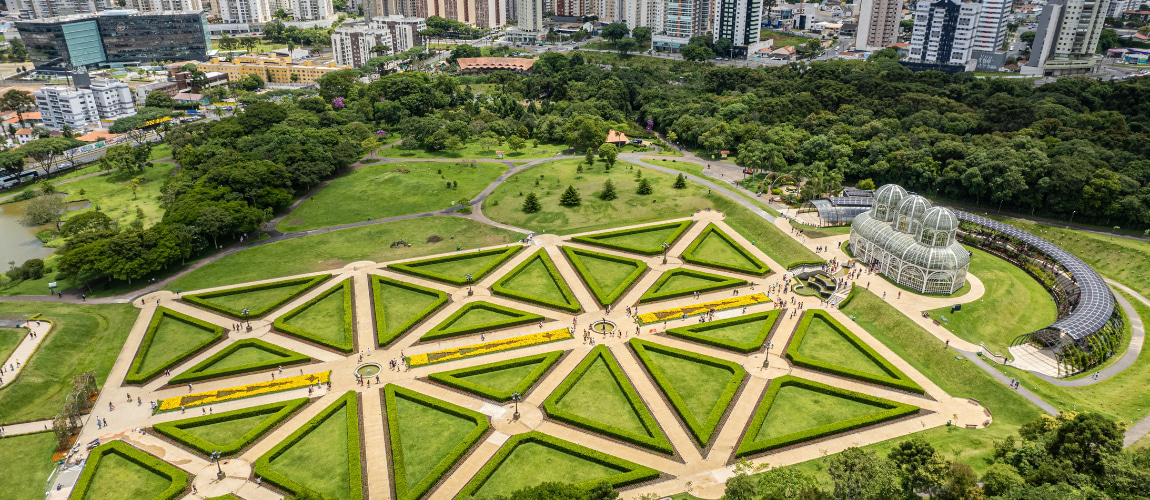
867	184
46	151
1107	40
615	32
641	34
962	483
531	204
515	143
626	45
570	198
857	473
214	221
159	99
608	152
1000	479
921	467
381	49
680	182
723	47
786	483
88	221
17	52
644	186
281	14
608	192
697	53
45	209
1027	37
1086	441
18	101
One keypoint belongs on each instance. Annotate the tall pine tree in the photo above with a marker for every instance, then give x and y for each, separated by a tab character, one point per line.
608	193
680	182
644	186
570	197
531	204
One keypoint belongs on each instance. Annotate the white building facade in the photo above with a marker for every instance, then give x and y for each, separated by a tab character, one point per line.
991	30
163	5
404	31
113	98
60	106
530	15
352	45
243	11
736	20
1067	37
878	24
944	31
644	13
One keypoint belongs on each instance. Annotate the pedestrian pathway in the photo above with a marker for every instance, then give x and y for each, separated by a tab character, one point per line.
37	331
26	428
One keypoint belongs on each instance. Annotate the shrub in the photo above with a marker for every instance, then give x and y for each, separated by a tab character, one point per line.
604	297
444	330
657	441
896	380
134	377
680	182
570	198
596	239
348	344
850	296
179	478
758	269
302	285
277	412
413	268
202	370
720	282
750	447
385	336
696	333
571	304
608	192
631	472
644	187
451	378
262	466
701	431
403	490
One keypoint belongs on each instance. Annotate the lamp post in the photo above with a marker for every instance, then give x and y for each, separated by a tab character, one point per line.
666	247
515	397
468	278
219	471
1072	212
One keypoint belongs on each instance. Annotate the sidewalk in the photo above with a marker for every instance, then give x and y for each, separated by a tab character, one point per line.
23	352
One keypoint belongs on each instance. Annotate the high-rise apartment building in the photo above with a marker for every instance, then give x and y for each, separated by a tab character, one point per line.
110	37
404	31
608	11
310	10
244	11
644	13
163	5
40	9
1067	37
113	98
878	24
991	31
60	105
680	19
572	8
352	45
530	15
736	20
943	31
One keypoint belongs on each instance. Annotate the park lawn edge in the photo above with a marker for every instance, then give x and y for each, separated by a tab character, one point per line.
305	283
594	238
689	333
689	256
348	345
635	473
602	297
572	304
439	332
399	468
450	377
194	374
651	295
412	267
180	479
277	412
748	446
262	465
657	441
134	377
382	337
701	431
898	380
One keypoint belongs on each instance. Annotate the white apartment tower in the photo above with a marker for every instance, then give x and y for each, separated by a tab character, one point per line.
352	44
404	31
1067	37
310	10
607	10
163	5
644	13
993	17
245	11
39	9
60	106
113	98
736	20
530	15
878	24
944	31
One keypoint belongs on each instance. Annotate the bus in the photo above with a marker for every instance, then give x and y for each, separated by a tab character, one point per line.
18	179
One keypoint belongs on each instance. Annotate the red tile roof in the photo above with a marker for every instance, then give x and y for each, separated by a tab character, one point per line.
613	136
495	63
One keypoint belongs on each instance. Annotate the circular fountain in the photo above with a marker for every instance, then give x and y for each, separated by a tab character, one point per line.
603	326
368	369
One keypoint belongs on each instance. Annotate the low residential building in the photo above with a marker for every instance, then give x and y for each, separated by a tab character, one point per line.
32	118
616	138
24	136
113	98
1140	15
353	45
485	65
142	91
270	69
61	105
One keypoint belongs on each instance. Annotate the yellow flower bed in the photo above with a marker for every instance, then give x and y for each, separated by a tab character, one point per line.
489	347
697	309
243	391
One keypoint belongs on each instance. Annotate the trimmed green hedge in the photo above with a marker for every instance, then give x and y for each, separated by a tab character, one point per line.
896	380
134	377
657	441
604	298
800	263
413	269
180	479
571	304
701	431
348	344
262	466
632	472
850	296
689	256
594	239
652	295
303	285
444	330
451	378
276	412
695	333
403	491
202	372
383	336
751	447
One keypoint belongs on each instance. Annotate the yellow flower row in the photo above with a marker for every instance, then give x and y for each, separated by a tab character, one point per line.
243	391
489	347
697	309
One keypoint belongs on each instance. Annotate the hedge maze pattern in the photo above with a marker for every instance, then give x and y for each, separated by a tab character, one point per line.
136	376
896	378
293	288
181	431
654	247
204	371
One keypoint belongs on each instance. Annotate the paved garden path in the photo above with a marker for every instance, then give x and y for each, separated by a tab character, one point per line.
18	360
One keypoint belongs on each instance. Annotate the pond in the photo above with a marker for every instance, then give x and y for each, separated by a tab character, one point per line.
18	242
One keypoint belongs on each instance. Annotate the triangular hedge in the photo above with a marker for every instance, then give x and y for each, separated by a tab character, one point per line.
204	370
895	379
652	247
700	332
745	262
292	288
392	395
654	439
538	365
487	261
181	431
388	329
662	290
346	343
350	402
137	374
605	292
179	478
506	286
451	326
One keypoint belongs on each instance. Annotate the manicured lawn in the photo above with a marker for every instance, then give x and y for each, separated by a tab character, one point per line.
699	384
391	189
506	203
824	343
531	464
461	267
473	149
256	300
427	435
683	282
779	246
501	380
696	169
26	461
797	409
480	316
783	39
118	478
243	356
162	150
597	396
86	338
537	281
715	248
319	460
172	340
609	274
324	319
822	232
228	430
643	239
112	193
335	249
739	333
1010	294
400	306
9	339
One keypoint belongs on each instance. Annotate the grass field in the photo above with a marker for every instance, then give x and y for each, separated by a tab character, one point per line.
822	232
1010	293
797	409
531	464
9	339
715	248
642	239
118	478
823	342
537	281
400	306
501	380
473	149
324	319
609	274
506	203
427	435
696	170
171	341
383	190
778	245
319	460
243	356
335	249
112	193
227	431
85	338
479	316
462	266
597	396
740	333
699	384
256	300
26	461
683	282
783	39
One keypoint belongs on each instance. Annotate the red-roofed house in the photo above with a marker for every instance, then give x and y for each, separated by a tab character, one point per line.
24	136
30	118
616	138
485	65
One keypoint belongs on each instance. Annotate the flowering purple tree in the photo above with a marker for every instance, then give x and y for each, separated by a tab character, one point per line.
650	124
337	102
